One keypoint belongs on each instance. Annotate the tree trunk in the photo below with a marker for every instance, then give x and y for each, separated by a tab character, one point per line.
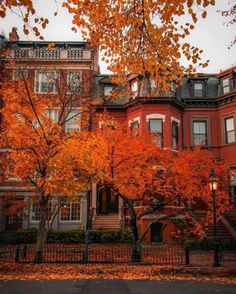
136	249
42	234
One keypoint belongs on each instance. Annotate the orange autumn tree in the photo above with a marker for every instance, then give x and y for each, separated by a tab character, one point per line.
146	37
25	9
33	139
136	170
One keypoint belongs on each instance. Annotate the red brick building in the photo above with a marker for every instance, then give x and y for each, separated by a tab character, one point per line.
66	66
201	111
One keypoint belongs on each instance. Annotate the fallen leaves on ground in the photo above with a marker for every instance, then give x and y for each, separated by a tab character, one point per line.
20	271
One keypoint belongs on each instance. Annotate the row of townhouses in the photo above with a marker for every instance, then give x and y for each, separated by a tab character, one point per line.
200	111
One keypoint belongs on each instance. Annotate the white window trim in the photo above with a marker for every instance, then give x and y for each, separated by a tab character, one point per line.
134	120
100	123
31	215
72	221
71	121
16	70
31	211
225	129
155	116
67	80
35	80
106	87
172	118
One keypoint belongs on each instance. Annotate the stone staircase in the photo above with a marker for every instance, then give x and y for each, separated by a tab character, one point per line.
222	232
109	222
231	217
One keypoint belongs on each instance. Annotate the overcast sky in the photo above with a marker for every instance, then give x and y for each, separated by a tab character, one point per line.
210	34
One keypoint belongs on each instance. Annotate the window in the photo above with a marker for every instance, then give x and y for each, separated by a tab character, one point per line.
74	81
175	135
229	130
45	81
134	127
198	89
35	211
225	86
108	90
134	88
232	188
70	211
155	126
20	73
53	114
200	132
73	121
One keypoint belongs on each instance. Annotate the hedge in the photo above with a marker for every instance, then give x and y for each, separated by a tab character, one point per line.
208	244
72	236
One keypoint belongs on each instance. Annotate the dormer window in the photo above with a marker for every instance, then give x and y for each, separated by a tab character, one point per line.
134	88
198	89
225	86
108	90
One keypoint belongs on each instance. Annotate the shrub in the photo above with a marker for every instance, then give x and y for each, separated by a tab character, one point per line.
208	244
72	236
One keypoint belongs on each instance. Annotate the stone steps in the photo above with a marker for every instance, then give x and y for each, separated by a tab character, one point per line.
106	222
222	231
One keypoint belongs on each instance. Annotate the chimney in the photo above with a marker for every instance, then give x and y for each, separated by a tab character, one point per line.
13	36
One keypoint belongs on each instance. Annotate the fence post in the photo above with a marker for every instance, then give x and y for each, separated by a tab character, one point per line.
17	253
85	253
187	256
136	256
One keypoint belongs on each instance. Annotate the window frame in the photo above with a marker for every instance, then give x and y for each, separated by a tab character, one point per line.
72	121
38	80
175	136
225	86
197	90
17	76
226	131
207	136
79	201
232	184
134	130
110	87
69	71
34	221
161	135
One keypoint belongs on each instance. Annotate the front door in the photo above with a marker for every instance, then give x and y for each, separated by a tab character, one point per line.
156	232
107	201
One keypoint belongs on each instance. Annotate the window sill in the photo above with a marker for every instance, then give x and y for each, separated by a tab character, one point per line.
70	222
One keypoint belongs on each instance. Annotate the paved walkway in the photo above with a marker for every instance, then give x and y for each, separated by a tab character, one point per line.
113	287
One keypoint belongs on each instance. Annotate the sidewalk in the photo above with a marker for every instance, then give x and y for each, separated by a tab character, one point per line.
114	287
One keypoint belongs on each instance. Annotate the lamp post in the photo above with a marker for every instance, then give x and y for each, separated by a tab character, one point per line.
213	185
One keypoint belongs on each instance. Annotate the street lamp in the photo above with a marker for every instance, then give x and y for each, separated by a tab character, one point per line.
213	185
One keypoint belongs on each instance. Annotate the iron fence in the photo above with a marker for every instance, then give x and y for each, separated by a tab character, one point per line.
116	253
